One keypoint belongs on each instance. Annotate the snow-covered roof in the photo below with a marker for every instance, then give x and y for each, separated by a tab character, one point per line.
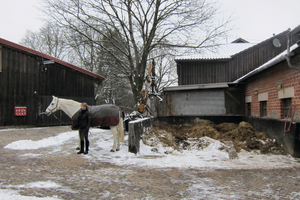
225	51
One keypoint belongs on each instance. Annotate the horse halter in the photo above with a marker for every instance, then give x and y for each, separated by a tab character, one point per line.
51	111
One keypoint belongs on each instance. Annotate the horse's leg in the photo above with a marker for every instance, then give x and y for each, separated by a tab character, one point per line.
121	129
114	132
118	138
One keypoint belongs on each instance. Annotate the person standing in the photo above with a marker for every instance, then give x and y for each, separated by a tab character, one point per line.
84	123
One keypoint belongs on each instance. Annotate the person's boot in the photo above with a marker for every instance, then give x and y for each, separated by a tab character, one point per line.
87	144
81	147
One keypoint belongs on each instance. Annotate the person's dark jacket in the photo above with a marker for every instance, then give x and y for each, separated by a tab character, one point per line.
84	120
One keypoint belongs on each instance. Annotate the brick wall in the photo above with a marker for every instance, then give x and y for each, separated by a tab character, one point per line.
266	81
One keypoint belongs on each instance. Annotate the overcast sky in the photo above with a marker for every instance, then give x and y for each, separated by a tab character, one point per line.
255	20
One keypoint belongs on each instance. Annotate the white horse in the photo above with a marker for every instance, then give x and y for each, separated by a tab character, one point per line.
71	108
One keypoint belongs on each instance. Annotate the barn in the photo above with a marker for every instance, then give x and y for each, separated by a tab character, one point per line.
29	78
211	96
228	62
206	84
259	84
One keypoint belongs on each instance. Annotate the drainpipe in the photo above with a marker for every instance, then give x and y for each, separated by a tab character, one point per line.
289	54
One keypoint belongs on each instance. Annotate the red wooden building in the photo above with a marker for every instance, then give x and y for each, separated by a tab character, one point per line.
29	78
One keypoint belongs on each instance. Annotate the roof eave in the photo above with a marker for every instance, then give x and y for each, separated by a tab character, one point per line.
198	59
40	54
196	87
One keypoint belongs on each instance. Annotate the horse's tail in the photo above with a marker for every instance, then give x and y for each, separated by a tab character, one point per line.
121	128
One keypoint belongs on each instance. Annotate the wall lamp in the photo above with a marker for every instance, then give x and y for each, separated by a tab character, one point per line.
47	62
255	90
279	85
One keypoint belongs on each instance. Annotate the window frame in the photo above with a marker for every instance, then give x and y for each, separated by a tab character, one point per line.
263	109
286	104
249	109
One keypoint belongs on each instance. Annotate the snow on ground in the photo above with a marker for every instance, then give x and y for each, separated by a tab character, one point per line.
153	157
210	157
12	194
46	142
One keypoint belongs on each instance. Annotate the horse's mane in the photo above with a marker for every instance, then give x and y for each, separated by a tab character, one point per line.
69	101
70	107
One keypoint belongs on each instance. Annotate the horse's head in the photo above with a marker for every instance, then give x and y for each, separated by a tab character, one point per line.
53	107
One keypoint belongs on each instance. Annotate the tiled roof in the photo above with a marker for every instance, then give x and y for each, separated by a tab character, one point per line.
225	51
47	57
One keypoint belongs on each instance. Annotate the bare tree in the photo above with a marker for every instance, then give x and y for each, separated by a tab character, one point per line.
64	44
50	39
165	68
144	26
86	53
116	87
74	48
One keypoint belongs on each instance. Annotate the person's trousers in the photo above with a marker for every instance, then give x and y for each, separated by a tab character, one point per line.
84	136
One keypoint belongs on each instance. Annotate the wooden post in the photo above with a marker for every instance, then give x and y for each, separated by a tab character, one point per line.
136	129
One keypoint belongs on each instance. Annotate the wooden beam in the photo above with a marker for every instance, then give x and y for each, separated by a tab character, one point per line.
235	99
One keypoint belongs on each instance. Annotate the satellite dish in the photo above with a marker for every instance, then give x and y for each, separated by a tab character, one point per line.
276	42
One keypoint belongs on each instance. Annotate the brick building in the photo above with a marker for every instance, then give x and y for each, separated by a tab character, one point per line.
272	99
273	89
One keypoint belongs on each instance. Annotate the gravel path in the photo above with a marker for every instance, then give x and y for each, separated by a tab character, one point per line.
72	176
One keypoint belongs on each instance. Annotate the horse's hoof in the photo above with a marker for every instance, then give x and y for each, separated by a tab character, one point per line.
117	149
112	150
77	148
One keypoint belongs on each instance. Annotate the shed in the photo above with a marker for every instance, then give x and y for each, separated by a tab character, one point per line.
200	75
267	75
227	62
219	99
29	78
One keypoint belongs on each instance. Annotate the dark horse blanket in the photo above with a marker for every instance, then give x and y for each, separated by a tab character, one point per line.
102	115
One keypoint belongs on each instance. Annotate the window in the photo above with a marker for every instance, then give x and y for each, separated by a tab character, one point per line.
287	103
249	109
263	108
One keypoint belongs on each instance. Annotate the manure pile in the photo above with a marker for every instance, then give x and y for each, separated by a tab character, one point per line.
187	136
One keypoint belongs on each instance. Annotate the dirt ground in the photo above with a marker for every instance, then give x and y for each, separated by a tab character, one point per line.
82	178
242	135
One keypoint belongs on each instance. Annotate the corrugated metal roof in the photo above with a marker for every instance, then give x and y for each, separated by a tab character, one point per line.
225	51
34	52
